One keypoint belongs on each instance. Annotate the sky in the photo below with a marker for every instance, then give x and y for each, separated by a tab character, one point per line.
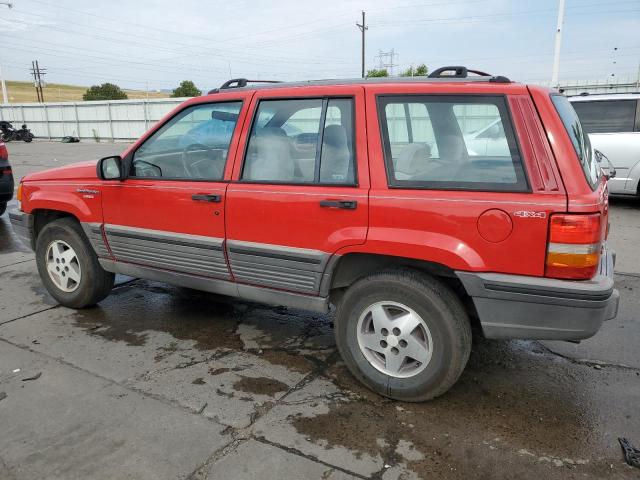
155	44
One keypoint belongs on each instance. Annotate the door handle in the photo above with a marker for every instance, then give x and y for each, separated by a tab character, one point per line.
344	204
205	197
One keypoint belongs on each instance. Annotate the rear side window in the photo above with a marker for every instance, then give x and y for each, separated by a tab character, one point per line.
302	141
450	142
579	139
613	116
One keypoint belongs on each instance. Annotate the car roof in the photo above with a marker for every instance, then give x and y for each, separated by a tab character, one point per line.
595	97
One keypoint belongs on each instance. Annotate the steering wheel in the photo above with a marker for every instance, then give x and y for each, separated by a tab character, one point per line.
189	166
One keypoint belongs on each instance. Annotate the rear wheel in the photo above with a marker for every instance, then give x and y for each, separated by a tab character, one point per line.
68	266
403	334
3	207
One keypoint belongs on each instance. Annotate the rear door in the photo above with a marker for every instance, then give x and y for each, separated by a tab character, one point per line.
299	189
169	213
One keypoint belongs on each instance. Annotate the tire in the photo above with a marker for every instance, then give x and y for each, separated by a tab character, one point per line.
3	207
28	139
94	283
445	327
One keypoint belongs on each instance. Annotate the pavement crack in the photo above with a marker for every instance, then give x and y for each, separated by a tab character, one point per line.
29	314
125	385
308	457
18	263
202	471
588	362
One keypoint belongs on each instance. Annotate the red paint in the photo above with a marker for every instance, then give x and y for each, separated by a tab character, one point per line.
476	231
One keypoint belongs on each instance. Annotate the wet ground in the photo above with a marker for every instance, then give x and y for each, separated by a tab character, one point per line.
162	382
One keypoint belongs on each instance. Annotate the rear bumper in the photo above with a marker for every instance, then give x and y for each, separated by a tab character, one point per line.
6	188
22	224
515	306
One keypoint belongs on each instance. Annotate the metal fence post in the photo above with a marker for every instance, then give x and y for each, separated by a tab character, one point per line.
46	119
110	121
145	104
75	109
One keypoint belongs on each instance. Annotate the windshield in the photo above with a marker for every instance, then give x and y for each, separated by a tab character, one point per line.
579	139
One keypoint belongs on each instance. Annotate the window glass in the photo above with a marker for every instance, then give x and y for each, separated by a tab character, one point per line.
290	143
606	116
579	139
450	142
336	161
192	145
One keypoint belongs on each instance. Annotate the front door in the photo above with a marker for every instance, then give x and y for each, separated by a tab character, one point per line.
300	188
169	213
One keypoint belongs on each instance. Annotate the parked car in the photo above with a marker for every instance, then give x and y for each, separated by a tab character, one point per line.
488	141
357	194
613	124
6	178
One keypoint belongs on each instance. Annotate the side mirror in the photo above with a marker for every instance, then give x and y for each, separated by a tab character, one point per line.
110	168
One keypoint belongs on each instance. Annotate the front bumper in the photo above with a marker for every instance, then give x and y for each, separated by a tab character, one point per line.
22	224
516	306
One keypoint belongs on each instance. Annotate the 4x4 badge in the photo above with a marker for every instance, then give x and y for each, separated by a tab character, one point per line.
528	214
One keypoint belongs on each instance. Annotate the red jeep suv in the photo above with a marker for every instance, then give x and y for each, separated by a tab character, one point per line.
413	205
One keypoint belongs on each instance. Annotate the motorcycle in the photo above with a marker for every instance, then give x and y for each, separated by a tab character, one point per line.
8	133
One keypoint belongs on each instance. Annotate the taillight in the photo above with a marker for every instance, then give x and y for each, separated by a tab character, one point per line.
19	192
5	171
575	242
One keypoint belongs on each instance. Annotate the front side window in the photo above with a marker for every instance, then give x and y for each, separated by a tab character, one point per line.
579	139
450	142
302	141
193	145
606	116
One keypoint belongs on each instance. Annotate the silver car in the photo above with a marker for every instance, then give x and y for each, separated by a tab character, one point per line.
613	124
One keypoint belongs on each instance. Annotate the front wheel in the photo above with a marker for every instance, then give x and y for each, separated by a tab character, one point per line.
69	267
404	334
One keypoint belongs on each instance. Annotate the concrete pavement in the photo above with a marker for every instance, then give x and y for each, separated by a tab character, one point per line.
162	382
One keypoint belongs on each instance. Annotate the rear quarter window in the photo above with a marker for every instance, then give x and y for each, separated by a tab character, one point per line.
579	139
607	116
450	142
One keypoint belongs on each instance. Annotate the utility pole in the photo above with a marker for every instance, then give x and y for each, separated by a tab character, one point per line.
556	52
5	97
35	79
363	28
37	73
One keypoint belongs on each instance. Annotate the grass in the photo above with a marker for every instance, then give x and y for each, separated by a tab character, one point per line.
24	92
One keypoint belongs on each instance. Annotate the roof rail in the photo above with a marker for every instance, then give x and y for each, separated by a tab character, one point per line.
463	72
239	83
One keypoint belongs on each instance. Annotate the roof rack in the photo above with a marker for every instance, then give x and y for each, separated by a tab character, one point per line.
444	74
463	72
239	83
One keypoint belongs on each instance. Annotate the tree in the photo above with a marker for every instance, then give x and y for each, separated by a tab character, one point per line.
186	89
420	71
377	73
106	91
